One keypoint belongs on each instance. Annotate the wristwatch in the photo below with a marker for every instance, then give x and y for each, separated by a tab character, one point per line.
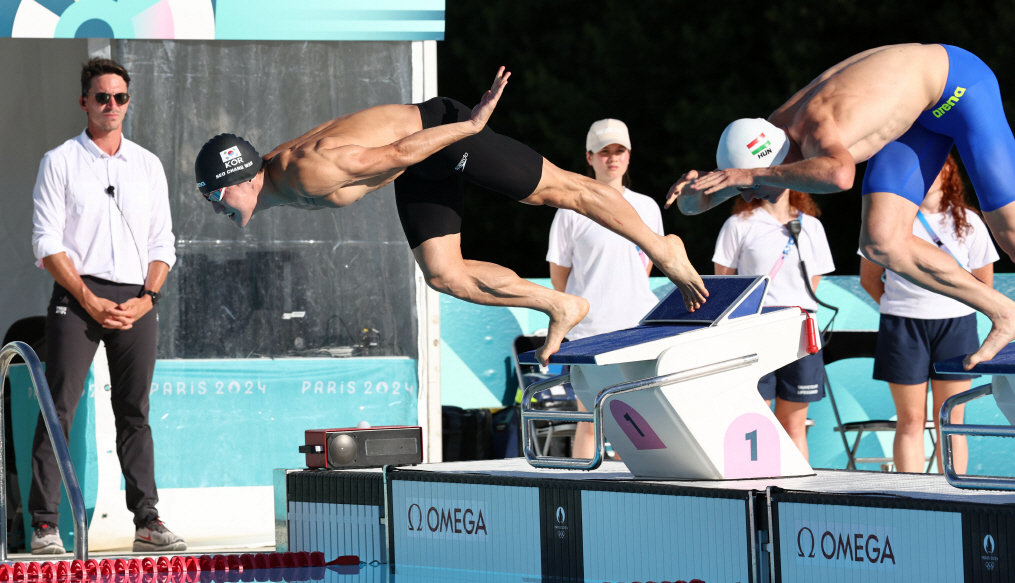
156	296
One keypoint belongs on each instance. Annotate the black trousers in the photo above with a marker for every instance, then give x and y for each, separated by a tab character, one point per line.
73	337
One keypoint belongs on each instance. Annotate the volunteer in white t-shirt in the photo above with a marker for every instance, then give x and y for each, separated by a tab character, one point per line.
589	261
756	241
919	327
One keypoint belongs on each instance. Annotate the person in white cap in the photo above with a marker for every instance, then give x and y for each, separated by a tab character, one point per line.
902	107
590	261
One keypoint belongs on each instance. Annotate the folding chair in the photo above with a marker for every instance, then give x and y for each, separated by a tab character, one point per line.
560	398
846	344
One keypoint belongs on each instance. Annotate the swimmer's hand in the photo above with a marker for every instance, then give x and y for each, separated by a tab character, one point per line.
691	198
716	180
482	112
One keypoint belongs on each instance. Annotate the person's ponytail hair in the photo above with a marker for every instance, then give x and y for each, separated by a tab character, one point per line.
953	197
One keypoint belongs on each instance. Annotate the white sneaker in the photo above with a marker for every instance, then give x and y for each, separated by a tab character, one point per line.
46	540
155	537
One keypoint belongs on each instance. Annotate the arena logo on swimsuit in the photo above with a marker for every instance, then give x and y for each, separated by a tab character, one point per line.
760	147
952	102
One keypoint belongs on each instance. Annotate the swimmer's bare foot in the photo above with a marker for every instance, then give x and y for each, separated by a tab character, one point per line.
1001	333
677	267
563	317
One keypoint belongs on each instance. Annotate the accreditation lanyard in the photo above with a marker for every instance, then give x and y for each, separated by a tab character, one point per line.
937	240
785	252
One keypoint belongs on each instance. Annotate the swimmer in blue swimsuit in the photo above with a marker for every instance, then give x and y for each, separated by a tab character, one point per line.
903	108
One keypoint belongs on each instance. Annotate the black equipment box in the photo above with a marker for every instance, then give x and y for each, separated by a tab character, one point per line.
373	447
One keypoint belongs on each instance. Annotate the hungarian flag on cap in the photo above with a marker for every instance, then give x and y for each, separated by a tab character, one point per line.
755	148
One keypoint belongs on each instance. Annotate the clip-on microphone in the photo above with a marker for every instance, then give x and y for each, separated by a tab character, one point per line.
110	190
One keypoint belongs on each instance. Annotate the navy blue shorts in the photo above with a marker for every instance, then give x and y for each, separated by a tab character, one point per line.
801	381
969	115
907	348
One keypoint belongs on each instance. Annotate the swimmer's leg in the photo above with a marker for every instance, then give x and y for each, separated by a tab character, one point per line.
488	284
887	239
507	166
1002	225
604	205
990	162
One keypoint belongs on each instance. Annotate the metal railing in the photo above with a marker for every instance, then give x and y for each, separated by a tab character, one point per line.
56	438
948	429
595	417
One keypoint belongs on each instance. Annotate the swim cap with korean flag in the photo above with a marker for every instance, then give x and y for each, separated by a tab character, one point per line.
751	143
225	160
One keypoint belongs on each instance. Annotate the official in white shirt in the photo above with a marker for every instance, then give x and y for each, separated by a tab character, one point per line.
919	327
103	231
589	261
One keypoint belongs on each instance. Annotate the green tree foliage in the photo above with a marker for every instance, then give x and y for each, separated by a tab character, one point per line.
676	72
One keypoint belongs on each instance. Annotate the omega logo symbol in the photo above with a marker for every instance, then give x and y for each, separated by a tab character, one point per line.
799	543
419	517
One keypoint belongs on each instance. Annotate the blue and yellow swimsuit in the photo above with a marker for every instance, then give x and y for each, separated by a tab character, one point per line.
970	116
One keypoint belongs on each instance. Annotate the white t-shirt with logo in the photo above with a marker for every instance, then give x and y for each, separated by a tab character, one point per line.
976	250
606	269
753	243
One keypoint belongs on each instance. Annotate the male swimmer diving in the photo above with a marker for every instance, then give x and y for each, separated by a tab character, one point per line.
428	149
902	107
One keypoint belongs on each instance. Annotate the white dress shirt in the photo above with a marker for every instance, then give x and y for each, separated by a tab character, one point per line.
112	237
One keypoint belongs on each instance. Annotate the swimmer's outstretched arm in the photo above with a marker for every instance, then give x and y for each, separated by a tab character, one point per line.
323	170
827	168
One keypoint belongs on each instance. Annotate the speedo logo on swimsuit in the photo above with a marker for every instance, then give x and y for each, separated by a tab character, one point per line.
952	102
461	165
760	147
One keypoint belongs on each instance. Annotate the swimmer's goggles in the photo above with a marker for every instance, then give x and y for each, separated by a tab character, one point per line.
215	195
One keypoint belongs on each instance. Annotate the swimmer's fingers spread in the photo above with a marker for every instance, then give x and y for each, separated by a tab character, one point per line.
678	188
482	112
689	199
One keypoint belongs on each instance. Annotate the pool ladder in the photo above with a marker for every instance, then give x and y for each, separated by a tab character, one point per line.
56	438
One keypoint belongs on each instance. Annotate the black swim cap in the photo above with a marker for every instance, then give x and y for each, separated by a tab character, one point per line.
225	160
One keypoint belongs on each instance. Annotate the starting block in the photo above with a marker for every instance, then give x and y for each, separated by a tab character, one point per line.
1002	387
678	395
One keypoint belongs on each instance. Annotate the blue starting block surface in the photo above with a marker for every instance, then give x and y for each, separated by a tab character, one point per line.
729	297
1002	363
585	350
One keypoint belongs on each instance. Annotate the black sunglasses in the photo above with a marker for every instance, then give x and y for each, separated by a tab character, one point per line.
103	98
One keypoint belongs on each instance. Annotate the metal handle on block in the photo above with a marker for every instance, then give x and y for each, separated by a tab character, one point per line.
56	438
948	429
596	415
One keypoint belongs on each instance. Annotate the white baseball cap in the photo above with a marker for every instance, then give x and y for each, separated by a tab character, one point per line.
605	132
751	143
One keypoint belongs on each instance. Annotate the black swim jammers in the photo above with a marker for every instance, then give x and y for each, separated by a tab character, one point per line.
430	195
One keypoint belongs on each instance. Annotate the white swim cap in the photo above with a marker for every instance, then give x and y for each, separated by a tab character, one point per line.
751	143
